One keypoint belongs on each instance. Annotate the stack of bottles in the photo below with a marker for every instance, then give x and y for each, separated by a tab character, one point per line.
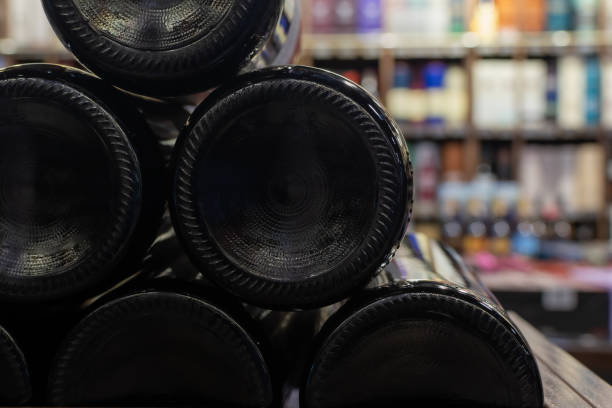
253	260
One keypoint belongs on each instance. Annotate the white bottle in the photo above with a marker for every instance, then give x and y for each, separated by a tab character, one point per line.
456	98
571	92
531	78
606	91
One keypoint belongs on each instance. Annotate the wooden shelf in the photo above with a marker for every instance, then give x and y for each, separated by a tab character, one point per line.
545	133
424	132
9	49
369	45
567	383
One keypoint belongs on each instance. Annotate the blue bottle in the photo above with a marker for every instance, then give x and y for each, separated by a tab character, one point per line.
593	96
433	75
559	15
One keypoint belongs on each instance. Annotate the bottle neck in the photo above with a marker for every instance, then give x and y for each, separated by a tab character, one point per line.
282	46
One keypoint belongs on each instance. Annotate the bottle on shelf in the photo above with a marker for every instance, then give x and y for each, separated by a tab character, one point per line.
345	15
589	185
500	228
495	94
551	92
434	77
593	92
4	19
26	27
369	81
456	97
458	15
559	15
451	196
291	187
509	15
426	169
531	15
558	228
585	230
437	17
369	15
81	186
475	239
428	332
585	15
399	17
175	48
571	92
606	90
527	236
416	101
398	96
322	12
485	21
532	78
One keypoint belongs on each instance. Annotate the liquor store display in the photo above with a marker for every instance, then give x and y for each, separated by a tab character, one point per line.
238	255
478	87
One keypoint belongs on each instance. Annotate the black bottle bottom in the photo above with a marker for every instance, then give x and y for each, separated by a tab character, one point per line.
422	346
160	349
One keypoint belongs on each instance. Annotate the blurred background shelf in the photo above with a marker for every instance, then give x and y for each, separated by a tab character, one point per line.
455	45
547	133
507	109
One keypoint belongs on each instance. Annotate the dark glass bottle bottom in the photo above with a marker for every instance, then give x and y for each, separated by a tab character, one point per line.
288	189
56	189
160	349
422	346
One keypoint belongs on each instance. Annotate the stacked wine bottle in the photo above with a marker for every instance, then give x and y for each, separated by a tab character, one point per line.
229	256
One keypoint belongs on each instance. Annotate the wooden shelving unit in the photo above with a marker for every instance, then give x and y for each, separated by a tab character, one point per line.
384	49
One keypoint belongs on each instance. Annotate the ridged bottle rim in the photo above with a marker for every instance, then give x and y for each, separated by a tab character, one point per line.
392	166
187	69
497	331
125	165
197	311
